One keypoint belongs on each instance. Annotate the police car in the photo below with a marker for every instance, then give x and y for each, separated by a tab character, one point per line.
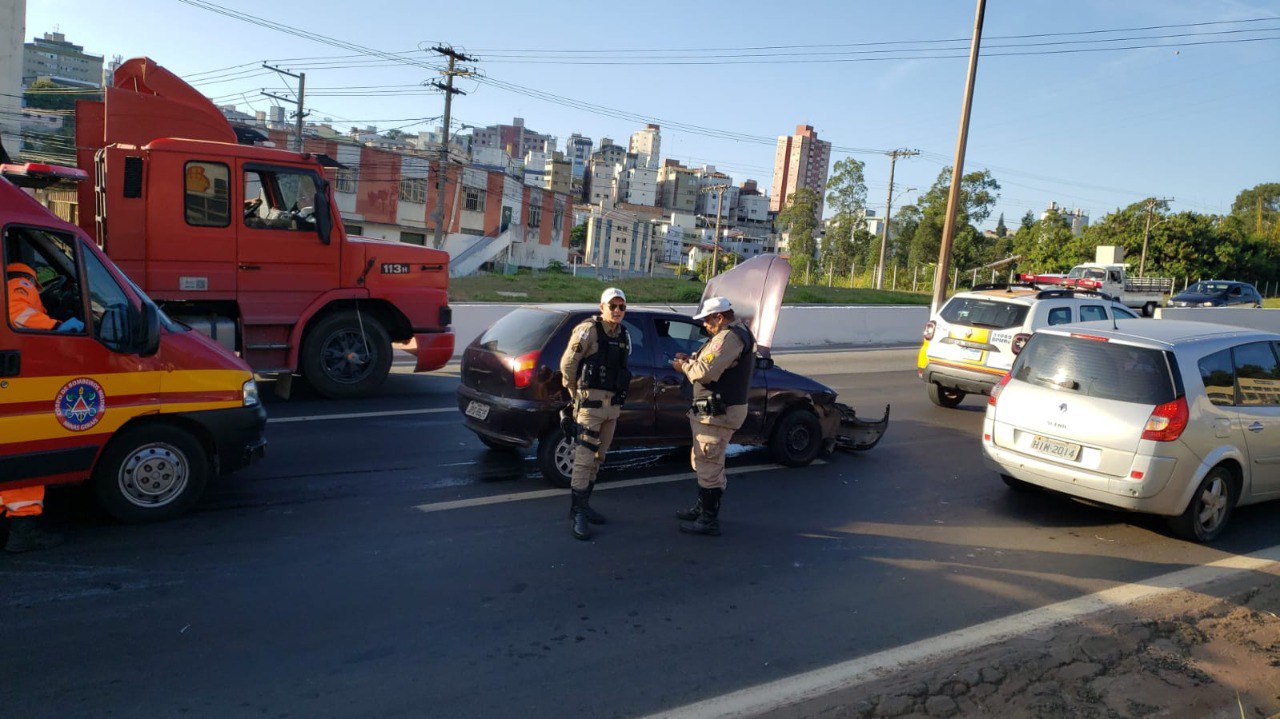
971	342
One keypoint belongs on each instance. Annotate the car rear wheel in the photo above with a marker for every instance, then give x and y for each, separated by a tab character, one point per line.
797	439
1209	509
555	457
1149	309
945	396
151	473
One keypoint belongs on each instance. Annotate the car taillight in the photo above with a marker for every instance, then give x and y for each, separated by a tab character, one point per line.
522	368
1019	341
1167	421
995	391
929	328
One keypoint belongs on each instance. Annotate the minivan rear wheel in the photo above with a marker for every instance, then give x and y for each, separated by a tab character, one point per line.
555	457
1209	509
945	396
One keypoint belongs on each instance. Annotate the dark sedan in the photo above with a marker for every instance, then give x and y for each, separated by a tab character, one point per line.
510	393
1217	293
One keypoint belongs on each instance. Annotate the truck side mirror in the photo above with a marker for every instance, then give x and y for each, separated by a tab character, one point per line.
324	219
149	330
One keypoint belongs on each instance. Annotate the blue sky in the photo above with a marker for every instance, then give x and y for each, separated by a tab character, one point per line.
1094	130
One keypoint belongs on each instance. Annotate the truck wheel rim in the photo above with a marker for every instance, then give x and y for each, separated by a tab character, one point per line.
347	358
153	475
564	457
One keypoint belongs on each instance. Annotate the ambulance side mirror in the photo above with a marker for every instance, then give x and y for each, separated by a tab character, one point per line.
149	330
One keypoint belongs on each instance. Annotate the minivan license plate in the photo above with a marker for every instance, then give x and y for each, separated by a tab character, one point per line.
479	410
1056	449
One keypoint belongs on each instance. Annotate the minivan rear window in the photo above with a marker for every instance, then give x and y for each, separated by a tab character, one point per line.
1107	370
520	331
982	312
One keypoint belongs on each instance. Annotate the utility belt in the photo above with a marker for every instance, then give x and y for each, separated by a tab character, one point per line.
712	406
617	399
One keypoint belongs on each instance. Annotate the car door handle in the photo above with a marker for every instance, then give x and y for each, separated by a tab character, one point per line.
10	363
1256	427
250	267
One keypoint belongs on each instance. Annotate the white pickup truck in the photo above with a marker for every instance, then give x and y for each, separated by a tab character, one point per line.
1113	279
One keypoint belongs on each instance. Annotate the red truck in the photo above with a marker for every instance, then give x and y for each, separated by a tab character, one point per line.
246	244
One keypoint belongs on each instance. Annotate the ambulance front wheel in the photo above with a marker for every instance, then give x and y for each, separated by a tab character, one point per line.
151	473
346	354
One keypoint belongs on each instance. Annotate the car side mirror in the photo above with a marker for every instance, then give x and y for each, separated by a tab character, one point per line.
149	330
323	217
764	362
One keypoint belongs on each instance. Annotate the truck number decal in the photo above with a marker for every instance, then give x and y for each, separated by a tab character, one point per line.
193	284
395	268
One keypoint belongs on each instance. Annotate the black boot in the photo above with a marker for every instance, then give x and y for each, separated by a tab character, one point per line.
707	522
592	515
25	535
578	516
693	512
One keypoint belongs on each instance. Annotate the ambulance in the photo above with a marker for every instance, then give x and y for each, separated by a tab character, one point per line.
98	385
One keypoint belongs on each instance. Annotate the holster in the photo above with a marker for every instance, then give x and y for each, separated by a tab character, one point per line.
568	421
712	406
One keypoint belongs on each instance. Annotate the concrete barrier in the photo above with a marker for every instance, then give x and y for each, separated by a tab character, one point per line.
1255	318
799	326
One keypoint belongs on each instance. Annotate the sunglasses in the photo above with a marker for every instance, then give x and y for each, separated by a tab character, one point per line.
618	306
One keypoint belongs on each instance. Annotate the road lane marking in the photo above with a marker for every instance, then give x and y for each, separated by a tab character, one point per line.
600	487
358	415
818	683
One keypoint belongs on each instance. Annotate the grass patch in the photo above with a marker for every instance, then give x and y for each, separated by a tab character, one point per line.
539	288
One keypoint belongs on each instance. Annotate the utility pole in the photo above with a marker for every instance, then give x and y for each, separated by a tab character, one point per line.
715	247
449	91
888	212
957	169
302	88
1146	233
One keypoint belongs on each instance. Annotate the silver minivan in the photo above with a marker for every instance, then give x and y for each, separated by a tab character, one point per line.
1180	419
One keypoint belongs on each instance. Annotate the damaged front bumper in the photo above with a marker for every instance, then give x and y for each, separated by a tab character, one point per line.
857	434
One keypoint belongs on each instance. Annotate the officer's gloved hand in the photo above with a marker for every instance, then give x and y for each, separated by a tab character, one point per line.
567	423
70	324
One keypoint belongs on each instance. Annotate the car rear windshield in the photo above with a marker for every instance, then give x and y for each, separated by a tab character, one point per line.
1108	370
983	312
520	331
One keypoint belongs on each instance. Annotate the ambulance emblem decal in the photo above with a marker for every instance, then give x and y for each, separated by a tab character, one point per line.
80	404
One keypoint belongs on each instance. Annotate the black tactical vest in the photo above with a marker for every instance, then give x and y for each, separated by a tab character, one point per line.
607	368
735	382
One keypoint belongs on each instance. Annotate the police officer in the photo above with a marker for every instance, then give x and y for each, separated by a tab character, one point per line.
594	371
721	375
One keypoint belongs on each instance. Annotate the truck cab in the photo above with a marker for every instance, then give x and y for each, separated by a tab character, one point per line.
98	385
246	243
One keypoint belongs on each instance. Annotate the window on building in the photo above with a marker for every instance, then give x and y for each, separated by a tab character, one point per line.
474	200
413	189
207	194
535	216
347	179
557	221
413	238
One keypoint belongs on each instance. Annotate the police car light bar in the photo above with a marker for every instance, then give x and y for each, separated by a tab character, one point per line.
36	173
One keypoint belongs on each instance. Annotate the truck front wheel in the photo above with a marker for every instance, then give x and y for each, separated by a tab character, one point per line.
346	355
150	473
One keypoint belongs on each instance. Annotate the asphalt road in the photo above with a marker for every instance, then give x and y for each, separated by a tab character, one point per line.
389	565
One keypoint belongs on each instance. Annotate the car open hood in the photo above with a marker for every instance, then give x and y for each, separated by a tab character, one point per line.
755	290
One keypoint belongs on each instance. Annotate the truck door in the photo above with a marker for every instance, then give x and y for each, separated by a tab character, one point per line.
68	379
283	264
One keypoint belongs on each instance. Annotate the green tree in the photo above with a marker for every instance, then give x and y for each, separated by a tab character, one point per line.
578	237
799	220
1001	230
1258	209
44	94
978	194
1048	246
724	260
847	197
847	187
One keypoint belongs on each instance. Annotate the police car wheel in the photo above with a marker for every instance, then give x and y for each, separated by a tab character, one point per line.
945	396
797	439
555	458
346	355
151	473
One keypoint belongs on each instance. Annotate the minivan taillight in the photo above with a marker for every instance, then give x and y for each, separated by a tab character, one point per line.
929	328
995	391
1167	421
522	368
1019	341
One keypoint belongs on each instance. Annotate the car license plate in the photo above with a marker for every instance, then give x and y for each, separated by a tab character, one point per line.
969	354
1055	449
479	410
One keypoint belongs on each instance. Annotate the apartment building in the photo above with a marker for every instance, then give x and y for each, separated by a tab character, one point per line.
677	187
647	145
52	57
515	138
621	242
800	160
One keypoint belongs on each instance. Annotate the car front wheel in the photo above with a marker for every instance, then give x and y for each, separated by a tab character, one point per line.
555	457
151	473
945	396
1209	509
797	439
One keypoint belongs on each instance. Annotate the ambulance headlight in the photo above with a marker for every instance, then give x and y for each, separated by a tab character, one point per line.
250	392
